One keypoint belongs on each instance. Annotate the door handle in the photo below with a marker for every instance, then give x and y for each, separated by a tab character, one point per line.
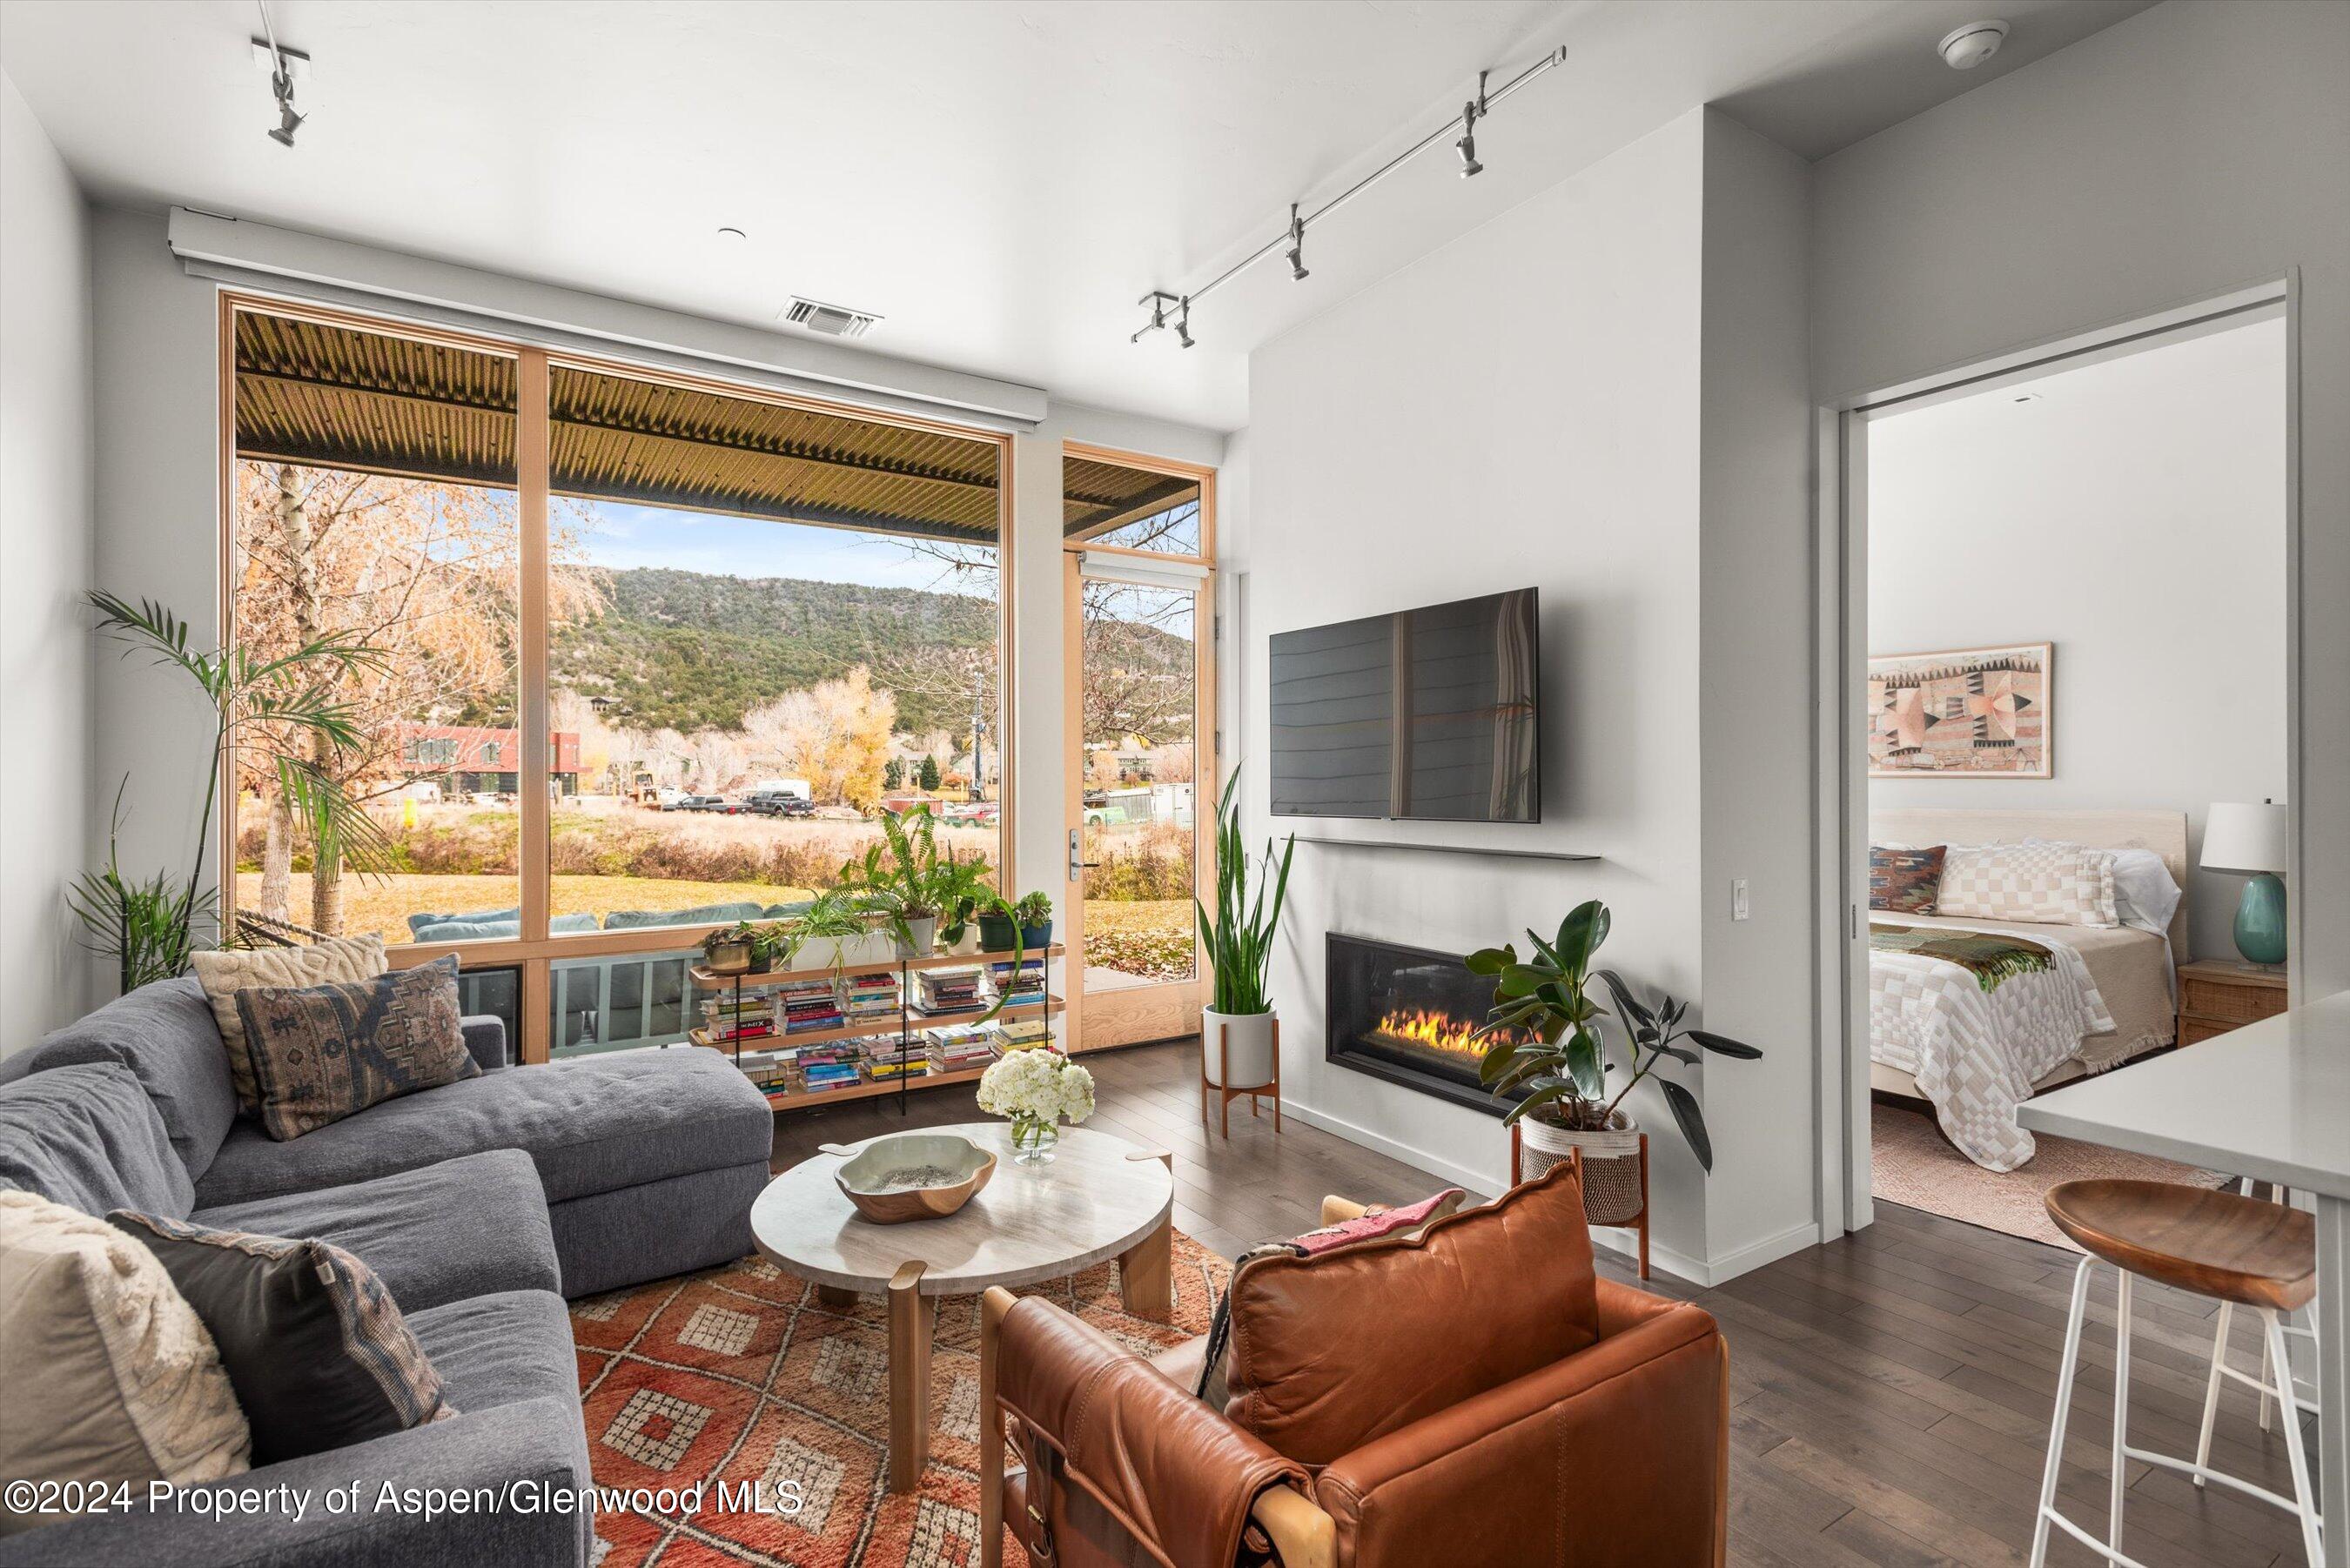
1078	864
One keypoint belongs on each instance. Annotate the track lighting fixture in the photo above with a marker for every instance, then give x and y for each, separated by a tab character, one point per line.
281	84
1467	146
1290	243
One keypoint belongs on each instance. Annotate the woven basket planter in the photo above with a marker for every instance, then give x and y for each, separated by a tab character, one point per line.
1611	1164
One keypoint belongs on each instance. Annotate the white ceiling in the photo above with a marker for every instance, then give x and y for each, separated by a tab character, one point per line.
1000	178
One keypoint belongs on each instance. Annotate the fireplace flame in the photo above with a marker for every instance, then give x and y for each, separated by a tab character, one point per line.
1432	1030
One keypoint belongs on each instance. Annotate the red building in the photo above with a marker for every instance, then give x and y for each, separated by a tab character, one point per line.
471	760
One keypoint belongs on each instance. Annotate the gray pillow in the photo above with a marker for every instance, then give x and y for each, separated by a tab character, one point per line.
86	1135
322	1053
167	1035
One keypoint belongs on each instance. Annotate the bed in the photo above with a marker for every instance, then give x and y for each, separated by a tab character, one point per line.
2106	996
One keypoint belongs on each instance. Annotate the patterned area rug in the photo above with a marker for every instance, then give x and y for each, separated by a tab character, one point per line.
1914	1165
738	1375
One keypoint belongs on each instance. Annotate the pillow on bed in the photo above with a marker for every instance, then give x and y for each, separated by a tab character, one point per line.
2035	883
1904	880
2145	895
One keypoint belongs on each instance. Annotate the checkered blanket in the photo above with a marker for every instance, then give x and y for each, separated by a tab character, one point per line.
1973	1052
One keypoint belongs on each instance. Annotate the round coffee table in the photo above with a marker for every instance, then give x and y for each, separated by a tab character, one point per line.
1100	1197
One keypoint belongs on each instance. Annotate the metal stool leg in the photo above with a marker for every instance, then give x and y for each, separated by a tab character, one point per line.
2212	1389
2121	1407
2289	1411
2064	1370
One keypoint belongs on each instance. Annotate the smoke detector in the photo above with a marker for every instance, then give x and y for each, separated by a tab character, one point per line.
1966	47
832	320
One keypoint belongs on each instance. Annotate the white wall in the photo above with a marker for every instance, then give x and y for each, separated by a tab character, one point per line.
2191	150
50	824
1528	406
2134	516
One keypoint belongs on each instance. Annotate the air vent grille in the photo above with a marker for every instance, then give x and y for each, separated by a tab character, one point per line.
832	320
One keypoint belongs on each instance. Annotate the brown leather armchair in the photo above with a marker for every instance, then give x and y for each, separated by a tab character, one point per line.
1469	1396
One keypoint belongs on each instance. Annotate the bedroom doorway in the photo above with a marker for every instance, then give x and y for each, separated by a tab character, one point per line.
2058	601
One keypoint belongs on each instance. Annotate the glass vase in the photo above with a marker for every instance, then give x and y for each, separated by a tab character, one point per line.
1033	1139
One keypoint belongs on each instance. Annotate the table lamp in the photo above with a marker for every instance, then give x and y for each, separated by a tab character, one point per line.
2239	836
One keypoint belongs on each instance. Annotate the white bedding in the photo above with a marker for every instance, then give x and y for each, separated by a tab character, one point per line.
1975	1054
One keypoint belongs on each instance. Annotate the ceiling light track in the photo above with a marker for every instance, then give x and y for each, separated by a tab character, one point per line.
1291	242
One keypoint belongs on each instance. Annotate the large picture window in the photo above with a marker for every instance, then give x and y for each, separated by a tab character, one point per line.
658	654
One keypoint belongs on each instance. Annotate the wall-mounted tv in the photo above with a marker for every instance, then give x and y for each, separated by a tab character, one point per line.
1427	714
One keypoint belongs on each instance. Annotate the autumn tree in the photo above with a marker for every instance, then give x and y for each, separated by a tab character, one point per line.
716	759
835	734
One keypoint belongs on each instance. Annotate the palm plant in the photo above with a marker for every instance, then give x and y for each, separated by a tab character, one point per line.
1238	940
281	713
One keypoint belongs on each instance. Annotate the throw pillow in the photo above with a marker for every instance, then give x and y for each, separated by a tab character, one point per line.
315	1348
1370	1225
2034	884
110	1374
1904	880
325	1052
224	971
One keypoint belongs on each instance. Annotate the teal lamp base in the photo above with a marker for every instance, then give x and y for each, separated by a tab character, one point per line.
2260	921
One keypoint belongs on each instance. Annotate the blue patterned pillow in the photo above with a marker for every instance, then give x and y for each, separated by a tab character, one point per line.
321	1053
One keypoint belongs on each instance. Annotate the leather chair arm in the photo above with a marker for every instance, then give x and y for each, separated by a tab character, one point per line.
1631	1434
1174	1474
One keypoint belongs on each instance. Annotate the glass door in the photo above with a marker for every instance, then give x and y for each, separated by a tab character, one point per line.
1141	772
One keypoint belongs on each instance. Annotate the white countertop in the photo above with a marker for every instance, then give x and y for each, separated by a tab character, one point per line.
2271	1100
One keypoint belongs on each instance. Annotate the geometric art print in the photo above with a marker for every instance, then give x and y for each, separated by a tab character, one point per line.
1979	711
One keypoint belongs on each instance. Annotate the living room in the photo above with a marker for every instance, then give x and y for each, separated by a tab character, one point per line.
716	827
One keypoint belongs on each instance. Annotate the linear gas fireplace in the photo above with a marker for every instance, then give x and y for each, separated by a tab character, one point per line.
1406	1014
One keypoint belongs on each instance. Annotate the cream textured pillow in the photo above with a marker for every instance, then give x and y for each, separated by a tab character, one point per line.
341	961
109	1374
2034	884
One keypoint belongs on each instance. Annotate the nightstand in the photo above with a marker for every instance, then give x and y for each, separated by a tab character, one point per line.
2217	996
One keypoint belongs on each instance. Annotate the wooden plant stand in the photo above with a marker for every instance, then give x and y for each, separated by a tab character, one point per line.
1638	1222
1229	1091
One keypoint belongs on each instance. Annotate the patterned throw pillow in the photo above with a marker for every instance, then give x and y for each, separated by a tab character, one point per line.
1904	880
325	1052
315	1347
109	1374
224	971
2035	883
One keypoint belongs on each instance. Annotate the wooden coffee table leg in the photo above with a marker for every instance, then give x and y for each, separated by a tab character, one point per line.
832	1298
1146	1276
912	1315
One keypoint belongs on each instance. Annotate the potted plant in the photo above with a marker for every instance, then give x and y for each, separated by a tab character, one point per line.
1038	1091
1240	1028
1548	1046
1034	913
999	927
836	932
728	952
922	893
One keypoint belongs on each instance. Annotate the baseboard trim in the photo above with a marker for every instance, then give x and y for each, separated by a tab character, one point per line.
1481	1185
1744	1260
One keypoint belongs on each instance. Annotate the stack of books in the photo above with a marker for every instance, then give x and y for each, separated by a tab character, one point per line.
866	998
1017	983
808	1005
772	1071
939	992
827	1066
886	1062
1025	1033
954	1047
730	1018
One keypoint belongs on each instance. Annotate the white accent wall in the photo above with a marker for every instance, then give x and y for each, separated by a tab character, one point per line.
2190	150
1602	395
51	819
2133	513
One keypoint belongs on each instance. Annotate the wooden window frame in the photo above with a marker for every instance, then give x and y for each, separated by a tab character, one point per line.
535	949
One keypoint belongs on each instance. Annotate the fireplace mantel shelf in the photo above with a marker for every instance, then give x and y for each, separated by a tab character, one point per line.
1492	853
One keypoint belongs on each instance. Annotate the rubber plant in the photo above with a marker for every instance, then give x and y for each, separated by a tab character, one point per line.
1545	1044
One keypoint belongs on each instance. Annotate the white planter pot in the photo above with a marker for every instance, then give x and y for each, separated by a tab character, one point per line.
820	954
924	936
1248	1038
1611	1163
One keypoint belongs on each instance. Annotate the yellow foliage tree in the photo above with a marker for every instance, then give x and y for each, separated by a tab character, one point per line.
835	734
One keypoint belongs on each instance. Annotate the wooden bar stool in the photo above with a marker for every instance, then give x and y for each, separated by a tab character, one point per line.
2237	1250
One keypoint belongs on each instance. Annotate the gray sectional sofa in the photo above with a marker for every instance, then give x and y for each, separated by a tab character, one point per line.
481	1204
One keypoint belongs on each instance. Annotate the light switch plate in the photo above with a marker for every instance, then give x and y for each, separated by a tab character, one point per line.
1738	905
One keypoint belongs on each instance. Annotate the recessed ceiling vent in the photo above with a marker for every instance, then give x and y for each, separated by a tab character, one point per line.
832	320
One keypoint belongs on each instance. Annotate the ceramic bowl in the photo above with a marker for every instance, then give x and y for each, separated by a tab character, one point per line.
912	1175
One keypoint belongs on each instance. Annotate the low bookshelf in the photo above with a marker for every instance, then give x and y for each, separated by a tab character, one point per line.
902	1021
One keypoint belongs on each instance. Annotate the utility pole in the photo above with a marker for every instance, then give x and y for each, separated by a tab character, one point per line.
978	730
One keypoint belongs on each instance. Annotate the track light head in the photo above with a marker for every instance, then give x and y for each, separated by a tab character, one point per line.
1183	324
288	122
1469	167
1471	112
1296	254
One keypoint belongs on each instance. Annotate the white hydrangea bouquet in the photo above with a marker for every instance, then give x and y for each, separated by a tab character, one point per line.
1038	1091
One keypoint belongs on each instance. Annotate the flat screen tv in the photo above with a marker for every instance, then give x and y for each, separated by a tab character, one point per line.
1425	714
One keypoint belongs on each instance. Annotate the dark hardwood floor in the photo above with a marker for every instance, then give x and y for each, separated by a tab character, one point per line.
1890	1392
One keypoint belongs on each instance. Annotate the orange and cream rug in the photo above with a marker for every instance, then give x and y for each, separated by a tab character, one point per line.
737	1376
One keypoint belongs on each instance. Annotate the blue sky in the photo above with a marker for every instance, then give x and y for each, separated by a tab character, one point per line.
619	535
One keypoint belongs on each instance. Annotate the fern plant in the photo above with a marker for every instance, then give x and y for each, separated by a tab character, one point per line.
1239	938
